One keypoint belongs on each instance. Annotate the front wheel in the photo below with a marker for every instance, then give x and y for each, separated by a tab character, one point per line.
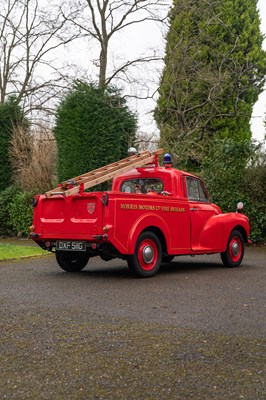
72	261
234	253
147	258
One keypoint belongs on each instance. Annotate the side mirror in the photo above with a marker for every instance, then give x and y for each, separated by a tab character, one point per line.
239	207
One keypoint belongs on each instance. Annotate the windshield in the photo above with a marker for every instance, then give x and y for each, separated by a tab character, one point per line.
142	186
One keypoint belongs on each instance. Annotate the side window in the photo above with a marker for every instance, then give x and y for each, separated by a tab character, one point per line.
203	195
195	190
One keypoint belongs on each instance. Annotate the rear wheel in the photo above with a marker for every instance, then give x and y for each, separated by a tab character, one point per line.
72	261
234	253
147	258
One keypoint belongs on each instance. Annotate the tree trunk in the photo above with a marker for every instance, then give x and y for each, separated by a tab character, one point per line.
103	65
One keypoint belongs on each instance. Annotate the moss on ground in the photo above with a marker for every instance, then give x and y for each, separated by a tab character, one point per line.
70	354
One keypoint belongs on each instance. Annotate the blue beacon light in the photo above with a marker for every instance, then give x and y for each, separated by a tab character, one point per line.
167	160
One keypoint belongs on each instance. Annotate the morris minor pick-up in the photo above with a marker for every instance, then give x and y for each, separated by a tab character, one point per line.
152	214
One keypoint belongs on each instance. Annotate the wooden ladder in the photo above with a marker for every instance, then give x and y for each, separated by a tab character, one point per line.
103	174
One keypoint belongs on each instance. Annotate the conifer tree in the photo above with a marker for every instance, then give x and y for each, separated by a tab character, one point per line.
10	116
94	127
214	71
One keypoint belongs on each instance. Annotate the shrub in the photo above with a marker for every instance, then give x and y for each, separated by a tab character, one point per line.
236	171
253	185
20	213
15	211
6	198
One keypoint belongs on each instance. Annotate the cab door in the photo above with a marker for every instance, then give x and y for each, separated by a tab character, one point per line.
201	210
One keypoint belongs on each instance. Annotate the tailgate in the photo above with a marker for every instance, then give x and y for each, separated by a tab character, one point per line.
72	217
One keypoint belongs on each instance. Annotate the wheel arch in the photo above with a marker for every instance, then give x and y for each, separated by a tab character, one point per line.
151	223
243	232
228	232
234	221
157	231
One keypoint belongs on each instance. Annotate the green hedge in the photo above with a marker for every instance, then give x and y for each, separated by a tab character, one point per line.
11	115
6	198
236	171
15	212
94	127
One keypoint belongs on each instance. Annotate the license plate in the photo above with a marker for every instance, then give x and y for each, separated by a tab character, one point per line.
64	245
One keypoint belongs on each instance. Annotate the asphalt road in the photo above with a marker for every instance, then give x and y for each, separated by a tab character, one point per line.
194	331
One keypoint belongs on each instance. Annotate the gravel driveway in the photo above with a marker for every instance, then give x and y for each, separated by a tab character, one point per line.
195	331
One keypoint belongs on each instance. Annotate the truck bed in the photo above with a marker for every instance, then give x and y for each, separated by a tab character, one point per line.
73	217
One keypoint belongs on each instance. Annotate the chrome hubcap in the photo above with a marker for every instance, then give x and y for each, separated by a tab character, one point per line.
235	248
147	254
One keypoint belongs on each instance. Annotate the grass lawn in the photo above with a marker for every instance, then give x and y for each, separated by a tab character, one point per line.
11	252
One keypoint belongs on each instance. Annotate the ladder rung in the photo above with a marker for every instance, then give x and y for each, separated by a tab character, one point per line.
57	193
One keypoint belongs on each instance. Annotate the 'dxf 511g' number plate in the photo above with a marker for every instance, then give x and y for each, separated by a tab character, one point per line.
64	245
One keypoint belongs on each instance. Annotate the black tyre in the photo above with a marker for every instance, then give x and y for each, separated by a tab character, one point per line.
167	259
72	261
234	253
147	258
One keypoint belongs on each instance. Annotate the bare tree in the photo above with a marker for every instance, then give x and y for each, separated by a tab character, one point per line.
104	19
31	33
146	141
33	158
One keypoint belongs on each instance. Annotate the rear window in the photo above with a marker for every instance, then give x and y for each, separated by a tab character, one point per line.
142	186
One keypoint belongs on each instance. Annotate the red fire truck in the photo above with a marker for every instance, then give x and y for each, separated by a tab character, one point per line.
152	214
